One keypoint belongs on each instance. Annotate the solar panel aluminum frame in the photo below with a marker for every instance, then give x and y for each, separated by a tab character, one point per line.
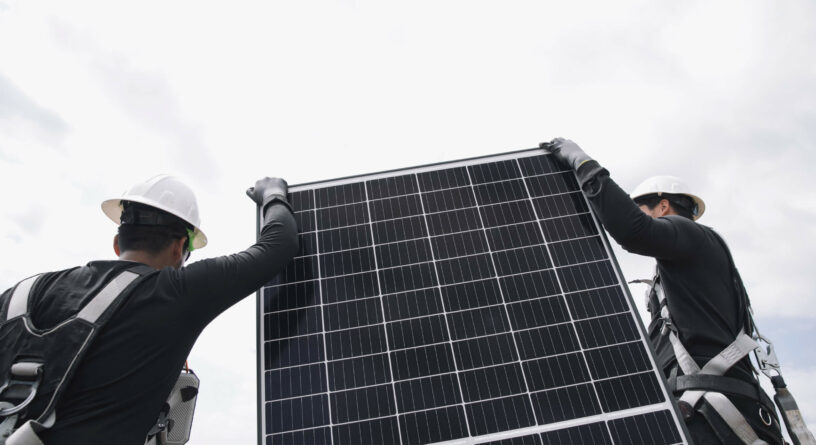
667	404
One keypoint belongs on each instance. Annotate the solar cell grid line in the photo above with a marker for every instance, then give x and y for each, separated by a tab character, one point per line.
415	345
558	280
382	307
504	302
444	309
323	315
671	413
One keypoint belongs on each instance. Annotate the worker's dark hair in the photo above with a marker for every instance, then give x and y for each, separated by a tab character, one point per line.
681	204
149	229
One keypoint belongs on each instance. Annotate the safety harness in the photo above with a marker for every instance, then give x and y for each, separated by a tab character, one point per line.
37	365
709	384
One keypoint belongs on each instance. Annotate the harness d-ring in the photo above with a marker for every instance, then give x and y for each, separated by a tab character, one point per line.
14	409
769	422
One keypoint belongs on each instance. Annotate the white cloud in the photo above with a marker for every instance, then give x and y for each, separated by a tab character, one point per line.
720	93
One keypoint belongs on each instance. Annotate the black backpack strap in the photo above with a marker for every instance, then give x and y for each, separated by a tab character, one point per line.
722	384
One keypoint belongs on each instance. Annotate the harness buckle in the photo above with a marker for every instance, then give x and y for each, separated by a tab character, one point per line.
686	410
766	356
667	327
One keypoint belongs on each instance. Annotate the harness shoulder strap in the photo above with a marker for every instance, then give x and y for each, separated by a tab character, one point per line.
18	303
102	301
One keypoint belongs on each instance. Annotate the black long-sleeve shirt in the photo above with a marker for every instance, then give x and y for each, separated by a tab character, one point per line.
693	265
130	369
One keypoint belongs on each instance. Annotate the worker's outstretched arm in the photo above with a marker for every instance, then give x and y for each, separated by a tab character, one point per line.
215	284
669	238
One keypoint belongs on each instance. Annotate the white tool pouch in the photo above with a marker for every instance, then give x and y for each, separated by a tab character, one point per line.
175	429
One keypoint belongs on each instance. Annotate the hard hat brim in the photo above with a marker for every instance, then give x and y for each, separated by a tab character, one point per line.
700	205
113	210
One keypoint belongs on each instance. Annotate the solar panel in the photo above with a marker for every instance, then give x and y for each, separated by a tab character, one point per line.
469	302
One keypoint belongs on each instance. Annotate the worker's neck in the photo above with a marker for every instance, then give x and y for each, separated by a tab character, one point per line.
154	261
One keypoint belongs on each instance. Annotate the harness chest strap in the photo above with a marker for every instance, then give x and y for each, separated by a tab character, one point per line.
726	385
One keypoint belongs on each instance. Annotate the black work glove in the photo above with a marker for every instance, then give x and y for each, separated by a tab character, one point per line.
566	152
268	190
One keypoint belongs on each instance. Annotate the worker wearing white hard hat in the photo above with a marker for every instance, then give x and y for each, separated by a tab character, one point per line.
697	302
109	384
672	189
162	192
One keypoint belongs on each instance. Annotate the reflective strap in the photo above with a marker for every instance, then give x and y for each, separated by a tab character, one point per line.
18	305
735	420
729	356
658	286
662	304
97	306
661	298
718	365
687	364
25	435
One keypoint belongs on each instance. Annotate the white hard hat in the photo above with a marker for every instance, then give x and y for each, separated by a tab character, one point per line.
166	193
657	185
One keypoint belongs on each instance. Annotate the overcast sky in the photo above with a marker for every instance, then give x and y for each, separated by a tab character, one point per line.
98	95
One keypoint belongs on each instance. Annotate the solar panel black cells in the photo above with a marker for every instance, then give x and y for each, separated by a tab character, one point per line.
469	302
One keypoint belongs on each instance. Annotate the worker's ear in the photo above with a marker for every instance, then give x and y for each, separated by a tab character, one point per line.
664	207
116	245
